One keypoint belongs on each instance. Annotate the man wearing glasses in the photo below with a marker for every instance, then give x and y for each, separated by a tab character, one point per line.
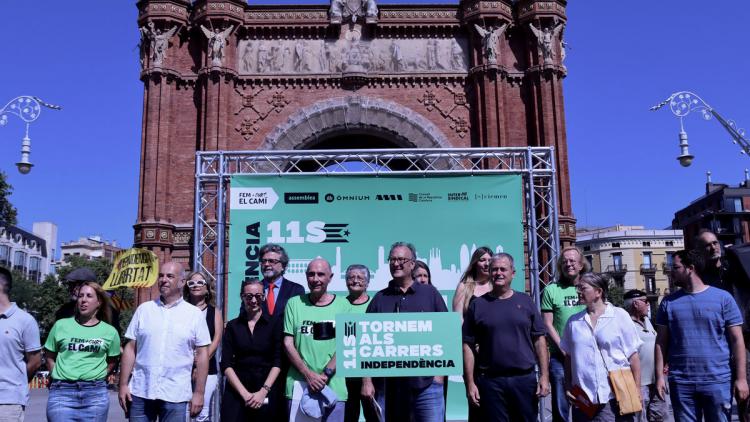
166	336
414	398
654	408
278	290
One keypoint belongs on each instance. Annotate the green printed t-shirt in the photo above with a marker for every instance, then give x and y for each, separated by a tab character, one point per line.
299	317
563	303
82	351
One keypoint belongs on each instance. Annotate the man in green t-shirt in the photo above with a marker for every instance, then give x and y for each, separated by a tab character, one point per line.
310	342
559	303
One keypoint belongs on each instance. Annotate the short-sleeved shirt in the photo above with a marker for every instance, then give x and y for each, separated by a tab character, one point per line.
505	330
562	302
647	333
417	298
299	316
698	350
166	339
82	351
19	334
614	338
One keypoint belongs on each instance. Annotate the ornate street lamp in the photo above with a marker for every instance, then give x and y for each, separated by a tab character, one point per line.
682	103
27	108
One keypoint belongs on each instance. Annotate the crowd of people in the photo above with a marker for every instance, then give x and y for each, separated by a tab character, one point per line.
279	354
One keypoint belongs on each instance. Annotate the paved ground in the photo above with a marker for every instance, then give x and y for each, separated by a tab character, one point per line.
36	411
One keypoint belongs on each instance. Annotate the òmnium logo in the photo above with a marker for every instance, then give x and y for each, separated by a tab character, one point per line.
301	197
458	196
331	197
389	197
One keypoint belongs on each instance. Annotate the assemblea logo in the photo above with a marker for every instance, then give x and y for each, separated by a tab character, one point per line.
301	197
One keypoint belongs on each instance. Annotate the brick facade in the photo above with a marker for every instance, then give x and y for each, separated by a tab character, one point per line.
243	99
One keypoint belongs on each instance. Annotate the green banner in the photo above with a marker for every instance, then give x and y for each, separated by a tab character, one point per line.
350	219
398	345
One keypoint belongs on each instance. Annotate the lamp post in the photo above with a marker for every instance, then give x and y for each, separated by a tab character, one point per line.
27	108
683	103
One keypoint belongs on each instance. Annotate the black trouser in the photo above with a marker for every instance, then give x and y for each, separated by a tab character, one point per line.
351	411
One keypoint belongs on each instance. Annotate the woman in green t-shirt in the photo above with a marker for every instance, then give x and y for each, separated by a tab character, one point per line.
81	351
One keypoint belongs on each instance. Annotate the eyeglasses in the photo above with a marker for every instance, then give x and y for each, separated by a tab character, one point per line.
247	296
399	260
270	261
196	283
355	278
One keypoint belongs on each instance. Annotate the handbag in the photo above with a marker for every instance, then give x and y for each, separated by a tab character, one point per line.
623	385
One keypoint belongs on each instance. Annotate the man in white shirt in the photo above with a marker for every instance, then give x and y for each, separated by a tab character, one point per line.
166	336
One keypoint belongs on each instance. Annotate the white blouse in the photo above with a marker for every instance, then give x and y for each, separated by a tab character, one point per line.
617	338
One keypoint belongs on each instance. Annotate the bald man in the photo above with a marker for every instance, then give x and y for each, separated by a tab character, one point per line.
165	336
310	343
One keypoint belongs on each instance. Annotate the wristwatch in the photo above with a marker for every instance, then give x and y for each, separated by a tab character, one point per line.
329	372
266	387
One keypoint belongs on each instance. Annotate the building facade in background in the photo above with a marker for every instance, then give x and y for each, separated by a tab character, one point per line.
228	75
723	209
90	247
31	253
635	257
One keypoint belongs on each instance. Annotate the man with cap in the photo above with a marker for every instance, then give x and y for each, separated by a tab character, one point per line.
654	408
74	280
20	348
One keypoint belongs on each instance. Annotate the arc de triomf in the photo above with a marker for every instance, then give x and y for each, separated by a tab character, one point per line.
228	75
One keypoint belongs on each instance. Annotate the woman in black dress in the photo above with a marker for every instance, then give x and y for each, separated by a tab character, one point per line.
251	359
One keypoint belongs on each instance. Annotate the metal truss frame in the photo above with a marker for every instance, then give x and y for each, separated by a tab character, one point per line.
213	170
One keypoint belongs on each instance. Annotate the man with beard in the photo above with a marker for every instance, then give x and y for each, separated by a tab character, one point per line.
559	302
698	330
278	290
716	271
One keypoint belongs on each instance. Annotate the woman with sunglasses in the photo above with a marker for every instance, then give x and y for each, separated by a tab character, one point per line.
81	351
200	293
251	359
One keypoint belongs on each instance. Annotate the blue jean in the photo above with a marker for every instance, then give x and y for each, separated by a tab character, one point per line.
560	405
692	402
429	404
145	410
508	398
78	401
401	403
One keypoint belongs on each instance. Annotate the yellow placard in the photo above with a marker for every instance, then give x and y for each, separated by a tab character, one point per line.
133	268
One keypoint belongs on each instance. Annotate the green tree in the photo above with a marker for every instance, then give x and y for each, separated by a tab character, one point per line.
40	300
615	294
100	266
8	213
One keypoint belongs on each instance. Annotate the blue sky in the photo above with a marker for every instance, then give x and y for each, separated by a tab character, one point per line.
624	57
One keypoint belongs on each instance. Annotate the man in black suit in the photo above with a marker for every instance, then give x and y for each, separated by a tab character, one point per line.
278	290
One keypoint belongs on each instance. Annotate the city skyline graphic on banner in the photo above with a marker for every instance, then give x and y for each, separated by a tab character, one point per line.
443	278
